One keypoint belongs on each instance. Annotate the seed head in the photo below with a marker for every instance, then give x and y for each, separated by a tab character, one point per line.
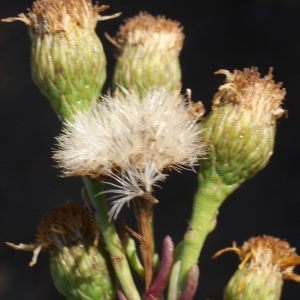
131	142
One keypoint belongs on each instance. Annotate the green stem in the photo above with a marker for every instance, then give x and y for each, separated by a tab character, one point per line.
133	258
207	200
173	282
111	239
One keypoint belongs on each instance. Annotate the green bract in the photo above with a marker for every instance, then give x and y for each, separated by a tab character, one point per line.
81	273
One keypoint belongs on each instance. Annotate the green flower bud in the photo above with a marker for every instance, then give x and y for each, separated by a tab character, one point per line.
240	129
266	263
68	63
79	263
81	273
148	54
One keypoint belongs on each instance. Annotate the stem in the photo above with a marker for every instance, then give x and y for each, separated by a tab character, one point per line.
133	258
144	214
111	239
191	283
173	282
207	200
156	289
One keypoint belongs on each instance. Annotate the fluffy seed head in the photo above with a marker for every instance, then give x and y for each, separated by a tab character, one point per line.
131	141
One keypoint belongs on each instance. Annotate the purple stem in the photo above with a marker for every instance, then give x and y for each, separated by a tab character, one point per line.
191	283
162	278
121	296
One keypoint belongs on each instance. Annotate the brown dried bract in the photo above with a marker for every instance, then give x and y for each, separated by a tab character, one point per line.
267	250
50	16
144	29
67	225
251	90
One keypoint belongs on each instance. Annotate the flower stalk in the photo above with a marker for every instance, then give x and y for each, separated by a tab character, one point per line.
207	201
144	215
111	238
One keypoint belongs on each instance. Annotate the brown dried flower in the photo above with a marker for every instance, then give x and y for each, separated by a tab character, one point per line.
266	262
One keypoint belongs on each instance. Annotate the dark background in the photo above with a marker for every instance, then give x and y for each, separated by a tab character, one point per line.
219	34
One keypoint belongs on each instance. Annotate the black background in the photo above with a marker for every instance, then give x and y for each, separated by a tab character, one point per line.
219	34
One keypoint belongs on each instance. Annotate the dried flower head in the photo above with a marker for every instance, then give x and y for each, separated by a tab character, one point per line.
154	31
251	91
66	225
148	50
68	63
131	142
79	263
53	16
266	262
242	124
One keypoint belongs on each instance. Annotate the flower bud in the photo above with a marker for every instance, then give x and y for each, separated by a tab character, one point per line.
148	53
81	273
68	63
79	264
266	263
240	129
